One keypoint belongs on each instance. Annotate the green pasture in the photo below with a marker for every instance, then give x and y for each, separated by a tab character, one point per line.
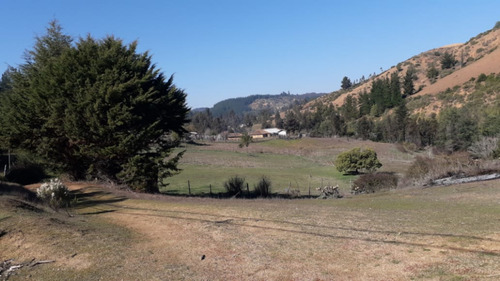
296	164
212	167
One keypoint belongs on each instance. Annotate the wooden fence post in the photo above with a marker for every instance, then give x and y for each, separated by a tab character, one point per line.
189	188
210	189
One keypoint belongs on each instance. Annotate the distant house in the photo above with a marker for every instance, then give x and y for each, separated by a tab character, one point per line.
276	132
260	134
273	131
234	136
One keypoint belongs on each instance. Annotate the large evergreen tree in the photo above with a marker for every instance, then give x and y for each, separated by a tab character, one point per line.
350	108
457	129
401	121
346	83
395	88
408	86
98	108
448	61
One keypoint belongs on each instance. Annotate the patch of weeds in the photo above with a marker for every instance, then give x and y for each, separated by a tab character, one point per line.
234	185
263	187
370	183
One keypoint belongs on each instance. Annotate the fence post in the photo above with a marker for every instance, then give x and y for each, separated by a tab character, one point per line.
248	191
210	189
189	188
309	183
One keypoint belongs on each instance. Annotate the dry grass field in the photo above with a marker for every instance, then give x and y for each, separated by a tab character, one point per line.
439	233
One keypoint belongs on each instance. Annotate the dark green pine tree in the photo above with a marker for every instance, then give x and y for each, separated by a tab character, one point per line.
98	109
364	128
408	86
457	129
365	103
401	121
291	122
7	80
395	90
346	83
448	61
350	108
380	95
278	121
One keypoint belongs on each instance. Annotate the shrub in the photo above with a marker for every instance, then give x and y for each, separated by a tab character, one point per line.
234	185
419	168
263	188
356	159
424	170
432	73
496	152
482	77
370	183
484	147
54	193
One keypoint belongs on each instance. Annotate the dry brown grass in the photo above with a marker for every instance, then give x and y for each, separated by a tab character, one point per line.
449	233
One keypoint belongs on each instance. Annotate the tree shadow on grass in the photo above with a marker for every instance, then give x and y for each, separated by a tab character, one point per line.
94	199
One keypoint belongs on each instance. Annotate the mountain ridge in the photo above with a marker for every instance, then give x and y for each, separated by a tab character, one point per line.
479	55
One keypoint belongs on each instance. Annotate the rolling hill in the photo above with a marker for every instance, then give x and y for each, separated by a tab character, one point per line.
479	55
256	103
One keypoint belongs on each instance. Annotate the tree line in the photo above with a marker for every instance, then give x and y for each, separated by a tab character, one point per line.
380	114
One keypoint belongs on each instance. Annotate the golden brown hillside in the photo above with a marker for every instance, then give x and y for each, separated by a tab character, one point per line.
479	55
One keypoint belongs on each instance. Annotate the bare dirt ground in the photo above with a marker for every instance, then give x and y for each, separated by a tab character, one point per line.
446	233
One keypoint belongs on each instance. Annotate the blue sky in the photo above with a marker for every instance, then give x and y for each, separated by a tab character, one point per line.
219	49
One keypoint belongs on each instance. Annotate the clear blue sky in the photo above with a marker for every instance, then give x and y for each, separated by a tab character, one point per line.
221	49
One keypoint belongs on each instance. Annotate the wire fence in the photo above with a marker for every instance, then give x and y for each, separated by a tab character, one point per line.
293	189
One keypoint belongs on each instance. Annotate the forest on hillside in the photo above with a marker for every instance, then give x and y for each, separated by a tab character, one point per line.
383	114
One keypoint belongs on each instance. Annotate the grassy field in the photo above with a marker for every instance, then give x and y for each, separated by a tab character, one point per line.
298	164
441	233
413	233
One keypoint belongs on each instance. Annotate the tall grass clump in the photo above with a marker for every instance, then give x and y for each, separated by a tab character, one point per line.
263	187
373	182
54	193
234	185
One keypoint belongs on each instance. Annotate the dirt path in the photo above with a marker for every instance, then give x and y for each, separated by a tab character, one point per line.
203	239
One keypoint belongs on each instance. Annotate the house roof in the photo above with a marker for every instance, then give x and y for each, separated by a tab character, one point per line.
259	132
273	130
234	135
